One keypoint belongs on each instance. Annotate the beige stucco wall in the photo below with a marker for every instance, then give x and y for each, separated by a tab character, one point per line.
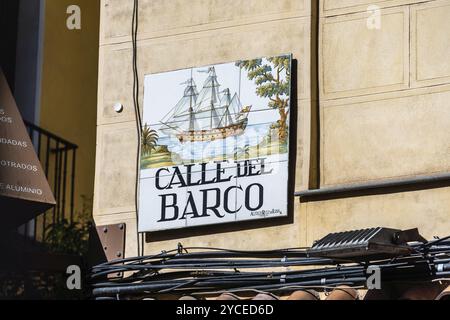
384	113
383	110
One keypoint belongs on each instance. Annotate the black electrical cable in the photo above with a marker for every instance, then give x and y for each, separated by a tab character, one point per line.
206	266
190	271
216	259
434	242
214	253
135	29
134	33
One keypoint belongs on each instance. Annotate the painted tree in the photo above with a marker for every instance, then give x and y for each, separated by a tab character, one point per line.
272	78
149	140
244	151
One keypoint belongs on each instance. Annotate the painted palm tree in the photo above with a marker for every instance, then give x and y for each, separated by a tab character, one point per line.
245	151
149	140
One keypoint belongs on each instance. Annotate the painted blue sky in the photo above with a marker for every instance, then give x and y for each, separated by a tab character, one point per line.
162	92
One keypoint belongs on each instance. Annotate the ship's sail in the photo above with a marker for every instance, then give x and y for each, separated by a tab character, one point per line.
206	115
236	108
208	103
182	117
226	107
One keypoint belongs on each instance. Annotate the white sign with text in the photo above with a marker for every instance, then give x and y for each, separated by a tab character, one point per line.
215	145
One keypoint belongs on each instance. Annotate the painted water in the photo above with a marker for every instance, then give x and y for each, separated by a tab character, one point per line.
257	141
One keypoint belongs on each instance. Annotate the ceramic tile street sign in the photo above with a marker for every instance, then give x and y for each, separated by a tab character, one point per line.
215	144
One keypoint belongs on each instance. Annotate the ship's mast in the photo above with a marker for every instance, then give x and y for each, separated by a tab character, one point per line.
212	73
212	115
215	106
191	109
226	118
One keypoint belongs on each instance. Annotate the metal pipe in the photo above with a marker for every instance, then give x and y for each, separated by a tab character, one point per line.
55	185
72	185
333	191
59	192
64	191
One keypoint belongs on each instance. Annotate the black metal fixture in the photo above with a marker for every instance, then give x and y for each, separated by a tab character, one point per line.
363	244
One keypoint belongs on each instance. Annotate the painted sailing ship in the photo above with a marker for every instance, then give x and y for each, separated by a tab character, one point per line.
208	115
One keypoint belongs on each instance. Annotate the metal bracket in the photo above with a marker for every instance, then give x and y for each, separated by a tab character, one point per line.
112	238
403	237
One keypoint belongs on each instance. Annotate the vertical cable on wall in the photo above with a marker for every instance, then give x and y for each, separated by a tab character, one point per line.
134	33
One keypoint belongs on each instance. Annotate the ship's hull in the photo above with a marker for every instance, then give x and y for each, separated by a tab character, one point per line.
214	134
